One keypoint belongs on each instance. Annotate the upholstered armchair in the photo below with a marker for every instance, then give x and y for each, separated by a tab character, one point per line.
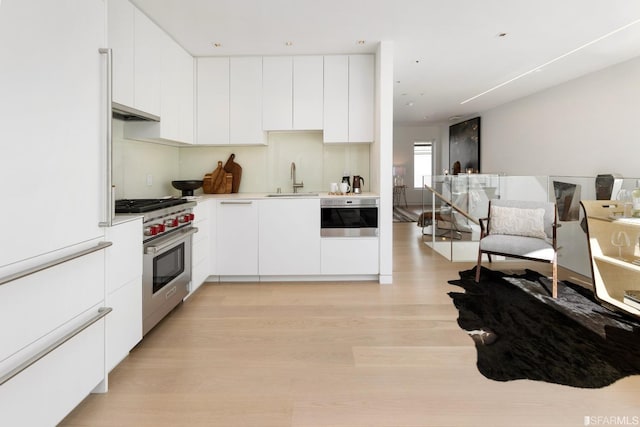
520	229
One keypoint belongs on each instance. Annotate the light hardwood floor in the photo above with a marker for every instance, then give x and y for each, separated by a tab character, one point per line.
332	354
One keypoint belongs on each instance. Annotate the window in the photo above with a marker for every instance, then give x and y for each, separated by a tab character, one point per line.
422	161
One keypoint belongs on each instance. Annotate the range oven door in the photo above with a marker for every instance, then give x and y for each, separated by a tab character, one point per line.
349	218
166	274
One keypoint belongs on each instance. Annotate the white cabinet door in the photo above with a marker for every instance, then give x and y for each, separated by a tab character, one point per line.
52	124
237	237
245	108
147	60
120	33
289	237
124	289
201	252
212	101
350	255
308	90
277	86
176	100
361	98
336	98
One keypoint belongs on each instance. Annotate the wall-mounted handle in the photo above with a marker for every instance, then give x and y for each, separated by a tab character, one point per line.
33	359
109	190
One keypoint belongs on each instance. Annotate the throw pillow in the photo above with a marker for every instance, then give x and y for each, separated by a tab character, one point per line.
517	221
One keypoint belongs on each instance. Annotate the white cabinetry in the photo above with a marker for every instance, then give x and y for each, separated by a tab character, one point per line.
277	86
348	98
307	92
176	98
289	237
124	290
120	29
245	102
237	237
147	38
135	41
292	92
212	101
201	253
49	86
342	256
229	101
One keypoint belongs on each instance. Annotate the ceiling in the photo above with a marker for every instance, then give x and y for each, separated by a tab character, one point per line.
445	51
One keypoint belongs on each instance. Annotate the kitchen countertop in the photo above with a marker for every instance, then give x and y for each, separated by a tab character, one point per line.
316	195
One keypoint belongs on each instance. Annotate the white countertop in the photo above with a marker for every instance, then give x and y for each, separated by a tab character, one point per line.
303	195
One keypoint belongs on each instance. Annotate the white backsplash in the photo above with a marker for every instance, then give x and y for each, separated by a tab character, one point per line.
264	168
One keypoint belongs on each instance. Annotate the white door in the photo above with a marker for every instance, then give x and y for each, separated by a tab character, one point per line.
52	124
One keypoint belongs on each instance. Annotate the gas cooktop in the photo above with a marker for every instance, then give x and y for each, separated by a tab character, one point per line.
146	205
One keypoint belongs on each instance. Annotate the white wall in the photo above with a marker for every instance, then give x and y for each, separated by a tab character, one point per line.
403	139
580	128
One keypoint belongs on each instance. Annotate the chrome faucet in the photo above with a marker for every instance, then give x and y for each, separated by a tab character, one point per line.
296	185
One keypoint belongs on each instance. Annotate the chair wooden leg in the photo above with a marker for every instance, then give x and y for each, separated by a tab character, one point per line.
478	267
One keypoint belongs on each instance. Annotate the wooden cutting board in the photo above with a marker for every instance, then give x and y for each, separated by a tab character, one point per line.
236	170
217	182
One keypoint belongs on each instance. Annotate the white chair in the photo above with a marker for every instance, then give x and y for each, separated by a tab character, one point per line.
520	229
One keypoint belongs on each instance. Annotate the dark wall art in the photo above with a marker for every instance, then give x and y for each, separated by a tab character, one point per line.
464	146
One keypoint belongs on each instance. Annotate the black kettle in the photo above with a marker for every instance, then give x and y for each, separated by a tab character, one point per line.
358	181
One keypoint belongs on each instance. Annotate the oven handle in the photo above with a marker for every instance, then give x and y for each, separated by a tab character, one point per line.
152	250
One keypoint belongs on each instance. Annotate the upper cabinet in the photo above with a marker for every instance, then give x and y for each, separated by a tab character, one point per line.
136	45
292	92
348	98
229	101
152	74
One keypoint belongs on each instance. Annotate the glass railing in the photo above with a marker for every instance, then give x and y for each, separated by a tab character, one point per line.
452	205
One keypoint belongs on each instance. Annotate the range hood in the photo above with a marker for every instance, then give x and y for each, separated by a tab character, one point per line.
124	112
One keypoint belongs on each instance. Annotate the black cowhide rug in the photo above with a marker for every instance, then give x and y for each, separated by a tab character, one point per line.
521	332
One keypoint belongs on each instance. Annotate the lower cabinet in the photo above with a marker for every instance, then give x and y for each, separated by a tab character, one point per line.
289	237
55	317
237	237
201	252
350	255
124	290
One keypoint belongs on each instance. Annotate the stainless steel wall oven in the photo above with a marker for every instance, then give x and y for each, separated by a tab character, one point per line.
349	217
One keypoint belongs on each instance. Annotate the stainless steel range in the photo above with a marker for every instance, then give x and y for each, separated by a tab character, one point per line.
166	272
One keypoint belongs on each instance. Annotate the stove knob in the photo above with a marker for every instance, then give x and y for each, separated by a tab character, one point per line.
147	231
151	230
192	217
161	228
174	222
182	218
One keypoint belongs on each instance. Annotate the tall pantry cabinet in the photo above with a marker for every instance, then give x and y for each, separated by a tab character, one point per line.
52	263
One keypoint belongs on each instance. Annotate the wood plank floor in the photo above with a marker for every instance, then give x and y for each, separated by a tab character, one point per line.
332	354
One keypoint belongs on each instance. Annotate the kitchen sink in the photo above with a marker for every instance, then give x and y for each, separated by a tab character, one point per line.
292	194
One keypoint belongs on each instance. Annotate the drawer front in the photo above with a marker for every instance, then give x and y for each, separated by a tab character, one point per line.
203	232
44	393
42	302
124	257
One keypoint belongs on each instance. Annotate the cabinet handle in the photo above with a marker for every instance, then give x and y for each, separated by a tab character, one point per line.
245	202
44	266
109	189
183	234
33	359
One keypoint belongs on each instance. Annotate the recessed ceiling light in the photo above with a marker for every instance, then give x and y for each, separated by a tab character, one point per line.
288	43
217	44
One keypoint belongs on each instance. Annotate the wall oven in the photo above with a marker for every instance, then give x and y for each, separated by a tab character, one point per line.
349	217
